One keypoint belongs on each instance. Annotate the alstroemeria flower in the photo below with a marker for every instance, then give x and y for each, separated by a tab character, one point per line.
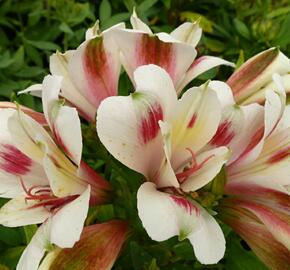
250	82
258	177
154	133
90	73
44	184
98	248
175	52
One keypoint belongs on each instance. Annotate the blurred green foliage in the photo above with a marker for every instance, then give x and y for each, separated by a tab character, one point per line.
31	30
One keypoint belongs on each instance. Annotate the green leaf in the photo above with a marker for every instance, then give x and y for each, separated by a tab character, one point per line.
10	236
214	45
18	60
43	45
241	59
30	72
242	29
239	258
204	23
140	257
3	267
105	11
283	37
33	54
120	17
145	5
65	28
5	60
11	256
29	231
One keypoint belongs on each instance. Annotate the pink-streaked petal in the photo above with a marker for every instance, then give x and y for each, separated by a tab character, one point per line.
273	253
209	242
28	136
128	126
199	66
67	130
272	165
257	72
197	106
273	111
98	248
155	80
14	164
94	68
276	222
215	159
38	117
230	127
100	188
68	222
251	135
21	212
163	215
259	96
188	32
63	120
139	48
32	255
59	66
284	122
166	215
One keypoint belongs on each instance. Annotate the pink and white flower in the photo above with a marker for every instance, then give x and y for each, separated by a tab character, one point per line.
154	133
44	176
90	73
258	179
98	248
251	81
174	52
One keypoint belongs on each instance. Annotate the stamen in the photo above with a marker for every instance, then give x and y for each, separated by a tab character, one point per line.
44	195
182	176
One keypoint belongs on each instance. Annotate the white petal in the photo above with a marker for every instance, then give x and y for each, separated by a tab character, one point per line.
32	255
67	128
224	93
189	33
208	243
139	48
63	181
200	66
59	66
197	106
163	215
128	126
20	212
137	24
155	80
15	164
216	159
34	90
50	103
67	224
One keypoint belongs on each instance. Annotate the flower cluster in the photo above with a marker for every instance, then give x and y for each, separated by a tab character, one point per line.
218	152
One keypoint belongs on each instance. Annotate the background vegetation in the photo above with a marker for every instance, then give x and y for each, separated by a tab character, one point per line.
31	30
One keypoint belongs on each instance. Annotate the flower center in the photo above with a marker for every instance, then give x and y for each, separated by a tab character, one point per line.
195	166
45	197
